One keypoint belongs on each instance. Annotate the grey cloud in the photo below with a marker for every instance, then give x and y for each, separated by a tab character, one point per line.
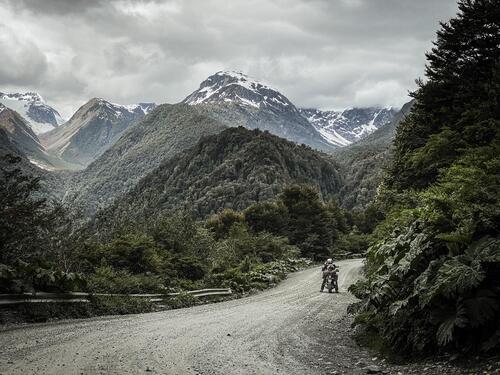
55	7
21	61
320	53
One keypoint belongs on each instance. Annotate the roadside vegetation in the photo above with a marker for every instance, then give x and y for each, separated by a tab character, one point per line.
433	268
247	250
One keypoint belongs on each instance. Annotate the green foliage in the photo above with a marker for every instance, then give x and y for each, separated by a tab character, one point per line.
134	253
351	244
457	107
111	305
189	268
23	218
106	279
267	216
23	277
311	225
220	224
260	276
432	274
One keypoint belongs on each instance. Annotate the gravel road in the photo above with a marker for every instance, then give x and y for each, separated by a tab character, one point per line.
268	333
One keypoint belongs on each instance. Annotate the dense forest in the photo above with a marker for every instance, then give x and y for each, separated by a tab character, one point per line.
432	273
232	169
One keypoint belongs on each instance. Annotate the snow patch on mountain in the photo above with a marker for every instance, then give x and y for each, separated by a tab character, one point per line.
119	110
31	106
342	128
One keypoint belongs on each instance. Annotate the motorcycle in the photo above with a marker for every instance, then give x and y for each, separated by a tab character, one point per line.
332	279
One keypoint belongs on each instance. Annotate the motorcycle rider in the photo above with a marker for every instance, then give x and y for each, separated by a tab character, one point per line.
328	266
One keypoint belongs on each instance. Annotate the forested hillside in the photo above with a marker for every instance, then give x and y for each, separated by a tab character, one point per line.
362	163
232	169
433	281
162	134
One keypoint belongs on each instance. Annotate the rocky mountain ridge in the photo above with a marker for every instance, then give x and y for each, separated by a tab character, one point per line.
94	127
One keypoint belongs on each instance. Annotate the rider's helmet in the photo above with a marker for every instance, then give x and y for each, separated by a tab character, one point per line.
329	261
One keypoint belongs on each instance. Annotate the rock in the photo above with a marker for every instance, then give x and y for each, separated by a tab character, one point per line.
228	334
148	369
373	370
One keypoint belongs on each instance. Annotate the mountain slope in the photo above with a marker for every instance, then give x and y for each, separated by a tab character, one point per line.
31	106
92	130
231	169
50	183
256	106
363	163
166	131
26	142
342	128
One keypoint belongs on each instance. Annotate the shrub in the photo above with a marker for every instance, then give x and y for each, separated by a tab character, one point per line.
106	279
220	224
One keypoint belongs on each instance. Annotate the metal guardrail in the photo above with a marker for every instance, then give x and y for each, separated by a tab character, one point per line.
82	297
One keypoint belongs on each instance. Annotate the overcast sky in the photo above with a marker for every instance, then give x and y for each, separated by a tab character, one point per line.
327	54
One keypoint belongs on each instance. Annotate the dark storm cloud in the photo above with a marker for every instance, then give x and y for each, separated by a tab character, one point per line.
55	7
320	53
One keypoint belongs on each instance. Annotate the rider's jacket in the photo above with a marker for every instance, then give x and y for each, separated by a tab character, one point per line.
325	266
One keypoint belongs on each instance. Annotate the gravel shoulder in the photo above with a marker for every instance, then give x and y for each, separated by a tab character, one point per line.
285	330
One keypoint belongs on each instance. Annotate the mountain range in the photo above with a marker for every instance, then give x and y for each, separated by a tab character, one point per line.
232	98
113	148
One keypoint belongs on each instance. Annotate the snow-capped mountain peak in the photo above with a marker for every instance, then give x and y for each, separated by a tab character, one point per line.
31	106
120	110
238	88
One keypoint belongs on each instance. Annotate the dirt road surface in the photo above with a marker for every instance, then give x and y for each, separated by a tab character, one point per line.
285	330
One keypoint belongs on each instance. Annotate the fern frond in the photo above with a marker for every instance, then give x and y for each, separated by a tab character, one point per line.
445	330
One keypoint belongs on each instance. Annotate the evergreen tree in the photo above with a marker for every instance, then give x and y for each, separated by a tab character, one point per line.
310	225
433	275
458	106
23	218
